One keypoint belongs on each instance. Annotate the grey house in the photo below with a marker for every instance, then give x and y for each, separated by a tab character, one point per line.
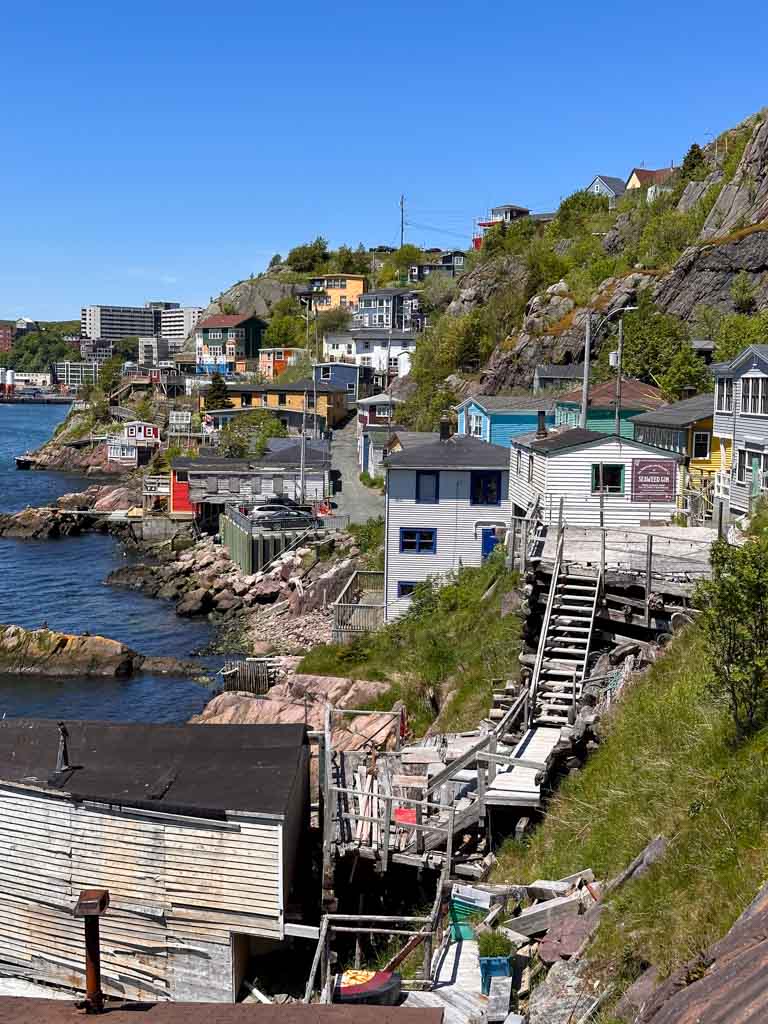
549	376
741	427
607	185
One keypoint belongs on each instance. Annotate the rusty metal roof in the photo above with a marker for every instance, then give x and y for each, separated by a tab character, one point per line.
53	1011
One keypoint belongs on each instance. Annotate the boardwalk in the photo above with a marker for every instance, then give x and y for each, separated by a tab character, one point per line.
457	984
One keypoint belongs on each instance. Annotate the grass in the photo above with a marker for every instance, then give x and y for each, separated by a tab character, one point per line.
431	656
668	766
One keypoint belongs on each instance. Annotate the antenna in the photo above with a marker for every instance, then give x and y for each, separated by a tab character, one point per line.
402	220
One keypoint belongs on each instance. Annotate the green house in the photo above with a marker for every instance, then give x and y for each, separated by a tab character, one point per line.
636	397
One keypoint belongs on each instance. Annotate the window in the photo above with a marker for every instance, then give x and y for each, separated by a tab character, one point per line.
701	440
485	488
754	396
607	478
281	398
325	373
246	401
724	395
419	541
182	476
530	469
393	363
351	388
365	361
214	335
382	412
278	355
427	487
476	424
519	461
310	400
405	589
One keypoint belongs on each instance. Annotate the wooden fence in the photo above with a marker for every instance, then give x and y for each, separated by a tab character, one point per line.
254	675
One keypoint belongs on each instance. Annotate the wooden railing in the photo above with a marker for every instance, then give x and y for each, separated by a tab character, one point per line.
545	627
360	606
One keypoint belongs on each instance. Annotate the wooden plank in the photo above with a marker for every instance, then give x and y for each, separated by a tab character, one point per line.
542	916
499	999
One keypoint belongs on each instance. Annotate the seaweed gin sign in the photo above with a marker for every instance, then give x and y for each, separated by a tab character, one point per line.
653	479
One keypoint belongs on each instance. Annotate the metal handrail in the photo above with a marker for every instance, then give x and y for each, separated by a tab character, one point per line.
545	629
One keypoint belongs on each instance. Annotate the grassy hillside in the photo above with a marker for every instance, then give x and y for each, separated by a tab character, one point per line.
669	766
432	656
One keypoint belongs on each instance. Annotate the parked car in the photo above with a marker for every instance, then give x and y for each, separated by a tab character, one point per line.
280	516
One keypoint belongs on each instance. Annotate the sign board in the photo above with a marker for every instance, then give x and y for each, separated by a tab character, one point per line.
654	479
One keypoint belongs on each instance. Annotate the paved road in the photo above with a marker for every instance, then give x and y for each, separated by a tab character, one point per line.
360	503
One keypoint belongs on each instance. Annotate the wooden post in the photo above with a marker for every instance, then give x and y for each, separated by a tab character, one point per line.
648	577
449	843
602	552
560	517
419	832
492	764
524	548
385	840
358	944
481	792
602	506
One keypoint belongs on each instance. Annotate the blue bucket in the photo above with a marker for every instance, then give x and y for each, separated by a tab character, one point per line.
492	967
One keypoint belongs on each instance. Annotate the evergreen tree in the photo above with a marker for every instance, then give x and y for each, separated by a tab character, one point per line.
217	396
693	163
685	370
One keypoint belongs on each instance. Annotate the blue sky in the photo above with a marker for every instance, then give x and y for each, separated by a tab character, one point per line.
165	150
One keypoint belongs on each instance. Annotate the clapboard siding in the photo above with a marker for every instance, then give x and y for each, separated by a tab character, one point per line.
747	432
568	475
458	523
177	891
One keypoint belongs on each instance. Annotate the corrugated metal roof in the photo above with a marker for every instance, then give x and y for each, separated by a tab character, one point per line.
635	394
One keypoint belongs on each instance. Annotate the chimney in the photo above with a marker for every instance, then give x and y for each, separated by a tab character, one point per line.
541	426
91	905
62	756
445	428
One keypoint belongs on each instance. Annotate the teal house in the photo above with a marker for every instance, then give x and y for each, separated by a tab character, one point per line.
636	397
499	418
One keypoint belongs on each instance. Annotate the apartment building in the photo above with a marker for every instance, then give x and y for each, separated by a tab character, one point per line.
7	332
334	291
112	323
75	375
177	322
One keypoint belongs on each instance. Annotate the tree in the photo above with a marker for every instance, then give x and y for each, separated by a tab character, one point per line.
333	321
309	257
734	623
685	370
350	261
110	374
127	349
289	305
276	260
743	293
736	331
284	332
693	162
651	341
249	433
217	396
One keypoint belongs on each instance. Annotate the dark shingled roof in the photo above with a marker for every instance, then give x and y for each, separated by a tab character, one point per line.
616	184
560	440
511	403
199	770
458	452
16	1010
679	414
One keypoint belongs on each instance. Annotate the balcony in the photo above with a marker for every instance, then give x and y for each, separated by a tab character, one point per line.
359	608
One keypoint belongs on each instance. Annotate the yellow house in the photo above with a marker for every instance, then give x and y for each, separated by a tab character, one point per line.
301	395
337	291
641	177
686	428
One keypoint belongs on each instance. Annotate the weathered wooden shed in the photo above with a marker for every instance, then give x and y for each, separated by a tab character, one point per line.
194	830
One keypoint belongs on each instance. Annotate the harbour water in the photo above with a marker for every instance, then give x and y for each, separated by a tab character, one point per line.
61	583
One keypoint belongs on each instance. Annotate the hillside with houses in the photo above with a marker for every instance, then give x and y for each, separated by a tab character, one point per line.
482	535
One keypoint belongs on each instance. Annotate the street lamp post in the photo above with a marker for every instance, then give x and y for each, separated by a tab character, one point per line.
589	335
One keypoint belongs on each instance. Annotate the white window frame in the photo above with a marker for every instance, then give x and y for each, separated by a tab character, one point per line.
724	394
214	335
476	425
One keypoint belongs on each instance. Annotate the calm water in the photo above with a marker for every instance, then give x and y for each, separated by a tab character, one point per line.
61	583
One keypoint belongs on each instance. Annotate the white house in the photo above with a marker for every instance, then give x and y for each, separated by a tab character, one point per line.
388	352
597	476
134	445
447	505
197	833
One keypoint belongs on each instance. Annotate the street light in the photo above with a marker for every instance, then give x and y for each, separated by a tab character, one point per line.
587	354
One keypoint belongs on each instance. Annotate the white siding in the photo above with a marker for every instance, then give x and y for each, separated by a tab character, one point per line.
569	475
458	523
176	890
522	492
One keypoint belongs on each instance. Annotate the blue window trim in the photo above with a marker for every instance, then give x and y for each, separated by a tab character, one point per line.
436	475
420	549
405	583
488	473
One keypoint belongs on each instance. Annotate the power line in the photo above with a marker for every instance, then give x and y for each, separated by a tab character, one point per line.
440	231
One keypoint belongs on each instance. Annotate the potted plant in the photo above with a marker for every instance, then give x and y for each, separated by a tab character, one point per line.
495	951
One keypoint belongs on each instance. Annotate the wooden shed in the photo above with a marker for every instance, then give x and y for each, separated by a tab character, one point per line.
194	830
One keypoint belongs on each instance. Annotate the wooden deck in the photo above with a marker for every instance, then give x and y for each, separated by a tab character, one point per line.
456	990
516	786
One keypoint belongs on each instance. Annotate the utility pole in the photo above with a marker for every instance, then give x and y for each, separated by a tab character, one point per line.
303	444
617	421
585	381
402	220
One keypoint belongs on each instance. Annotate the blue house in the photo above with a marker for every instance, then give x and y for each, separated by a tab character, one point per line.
356	380
499	418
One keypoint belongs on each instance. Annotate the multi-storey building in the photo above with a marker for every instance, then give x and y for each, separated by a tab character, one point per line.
75	375
7	332
95	350
272	361
112	323
387	352
178	322
334	291
226	343
398	308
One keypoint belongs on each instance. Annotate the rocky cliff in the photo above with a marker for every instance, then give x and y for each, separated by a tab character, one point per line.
744	200
45	652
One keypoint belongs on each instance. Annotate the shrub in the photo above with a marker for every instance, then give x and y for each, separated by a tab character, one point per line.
743	293
493	943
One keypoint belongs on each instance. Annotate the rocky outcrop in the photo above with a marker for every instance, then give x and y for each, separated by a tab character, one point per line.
513	363
41	524
87	461
103	498
302	698
744	200
705	275
480	285
45	652
548	310
255	296
695	191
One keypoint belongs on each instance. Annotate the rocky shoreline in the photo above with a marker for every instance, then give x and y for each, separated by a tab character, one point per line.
46	652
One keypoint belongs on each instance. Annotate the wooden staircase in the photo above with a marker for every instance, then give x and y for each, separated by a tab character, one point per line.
566	635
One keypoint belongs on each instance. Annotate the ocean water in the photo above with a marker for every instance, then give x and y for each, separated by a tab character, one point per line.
61	583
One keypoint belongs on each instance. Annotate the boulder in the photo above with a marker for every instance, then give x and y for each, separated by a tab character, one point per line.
196	602
563	997
226	601
46	652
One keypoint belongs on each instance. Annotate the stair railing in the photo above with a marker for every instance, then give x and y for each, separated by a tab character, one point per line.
534	687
